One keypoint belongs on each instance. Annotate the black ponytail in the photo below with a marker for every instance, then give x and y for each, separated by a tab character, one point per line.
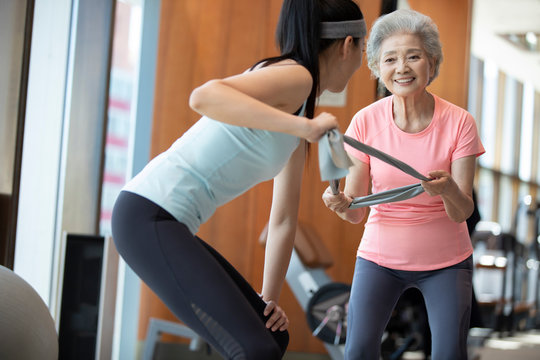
298	35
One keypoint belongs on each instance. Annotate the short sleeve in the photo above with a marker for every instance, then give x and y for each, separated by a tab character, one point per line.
357	132
468	140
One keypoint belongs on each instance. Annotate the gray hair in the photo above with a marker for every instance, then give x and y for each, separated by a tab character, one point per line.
404	21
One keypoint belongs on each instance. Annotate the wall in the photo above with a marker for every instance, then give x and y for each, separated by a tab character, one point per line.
453	18
205	39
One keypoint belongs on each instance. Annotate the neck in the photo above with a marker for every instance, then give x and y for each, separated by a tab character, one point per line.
323	74
413	114
328	63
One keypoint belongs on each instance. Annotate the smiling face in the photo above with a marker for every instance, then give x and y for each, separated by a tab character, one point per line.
405	68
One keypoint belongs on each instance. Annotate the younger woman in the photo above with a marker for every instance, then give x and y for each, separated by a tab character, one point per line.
254	127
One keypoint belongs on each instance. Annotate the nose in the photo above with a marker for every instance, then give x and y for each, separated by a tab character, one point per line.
402	65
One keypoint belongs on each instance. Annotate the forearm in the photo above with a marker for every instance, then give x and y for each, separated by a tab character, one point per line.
458	205
278	251
455	189
282	224
353	216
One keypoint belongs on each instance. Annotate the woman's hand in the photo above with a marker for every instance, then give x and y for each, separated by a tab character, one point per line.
455	190
278	320
337	203
439	184
319	125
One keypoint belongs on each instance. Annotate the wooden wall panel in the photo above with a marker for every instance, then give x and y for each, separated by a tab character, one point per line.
201	40
453	18
205	39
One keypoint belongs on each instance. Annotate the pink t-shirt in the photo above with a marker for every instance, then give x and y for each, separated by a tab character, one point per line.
415	234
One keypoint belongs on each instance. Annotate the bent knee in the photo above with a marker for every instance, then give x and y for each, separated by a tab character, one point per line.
362	351
261	352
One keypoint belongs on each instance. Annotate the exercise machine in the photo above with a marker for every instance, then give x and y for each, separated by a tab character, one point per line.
525	228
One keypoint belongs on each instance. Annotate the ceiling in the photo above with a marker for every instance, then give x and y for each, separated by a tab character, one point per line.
493	18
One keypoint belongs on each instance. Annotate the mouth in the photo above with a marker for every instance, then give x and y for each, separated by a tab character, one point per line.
404	81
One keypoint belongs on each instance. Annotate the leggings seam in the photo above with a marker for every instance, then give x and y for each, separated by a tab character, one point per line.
181	289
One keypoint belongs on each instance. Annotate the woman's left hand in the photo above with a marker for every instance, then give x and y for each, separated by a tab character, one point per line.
278	320
439	184
336	202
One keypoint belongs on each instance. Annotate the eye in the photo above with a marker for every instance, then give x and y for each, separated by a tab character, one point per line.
414	57
389	60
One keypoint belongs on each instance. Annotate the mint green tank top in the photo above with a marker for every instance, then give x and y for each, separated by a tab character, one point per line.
211	164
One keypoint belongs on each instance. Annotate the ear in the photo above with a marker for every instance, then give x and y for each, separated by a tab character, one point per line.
432	62
346	47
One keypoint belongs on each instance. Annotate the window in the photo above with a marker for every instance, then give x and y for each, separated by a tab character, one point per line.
507	113
122	103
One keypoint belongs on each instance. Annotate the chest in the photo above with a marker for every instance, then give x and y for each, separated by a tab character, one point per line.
424	153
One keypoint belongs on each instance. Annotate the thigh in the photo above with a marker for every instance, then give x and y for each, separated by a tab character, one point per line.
375	292
193	282
447	294
222	300
252	297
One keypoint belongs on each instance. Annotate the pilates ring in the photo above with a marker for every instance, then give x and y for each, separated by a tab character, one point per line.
327	312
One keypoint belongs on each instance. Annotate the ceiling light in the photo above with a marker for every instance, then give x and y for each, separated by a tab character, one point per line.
531	38
524	41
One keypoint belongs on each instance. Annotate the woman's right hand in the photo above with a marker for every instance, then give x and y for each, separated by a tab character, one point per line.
338	202
319	125
278	320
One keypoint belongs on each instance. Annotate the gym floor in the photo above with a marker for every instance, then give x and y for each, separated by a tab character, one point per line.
170	351
521	346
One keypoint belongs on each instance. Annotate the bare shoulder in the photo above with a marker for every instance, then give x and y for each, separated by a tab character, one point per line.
284	85
291	72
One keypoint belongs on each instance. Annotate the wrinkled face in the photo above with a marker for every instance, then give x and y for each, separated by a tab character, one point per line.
404	66
347	67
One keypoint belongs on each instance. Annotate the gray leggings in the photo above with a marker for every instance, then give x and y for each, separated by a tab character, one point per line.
375	291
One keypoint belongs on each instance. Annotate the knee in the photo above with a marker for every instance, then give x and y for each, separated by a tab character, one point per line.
362	350
282	340
449	354
267	348
449	339
269	351
449	346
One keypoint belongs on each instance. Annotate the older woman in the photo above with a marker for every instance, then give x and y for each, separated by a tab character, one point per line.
421	242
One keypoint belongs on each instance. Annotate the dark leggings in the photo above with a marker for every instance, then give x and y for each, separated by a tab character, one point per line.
376	290
197	284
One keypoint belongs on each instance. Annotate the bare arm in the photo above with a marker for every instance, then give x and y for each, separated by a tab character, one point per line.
281	235
356	184
455	189
263	99
282	224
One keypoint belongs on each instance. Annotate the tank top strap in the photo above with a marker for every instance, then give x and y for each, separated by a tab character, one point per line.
303	109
